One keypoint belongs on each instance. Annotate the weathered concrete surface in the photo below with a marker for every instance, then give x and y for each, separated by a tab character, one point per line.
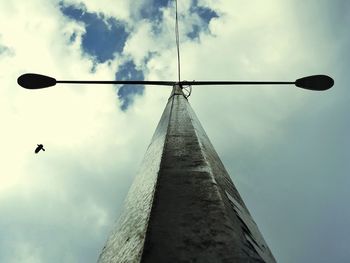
183	206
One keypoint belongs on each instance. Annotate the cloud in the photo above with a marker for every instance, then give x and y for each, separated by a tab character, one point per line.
42	196
118	9
126	93
286	149
103	36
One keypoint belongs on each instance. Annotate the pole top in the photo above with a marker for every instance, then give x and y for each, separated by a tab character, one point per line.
177	90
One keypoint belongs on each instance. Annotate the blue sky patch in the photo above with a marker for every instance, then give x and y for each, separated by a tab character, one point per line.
103	37
106	36
206	14
126	93
195	32
152	9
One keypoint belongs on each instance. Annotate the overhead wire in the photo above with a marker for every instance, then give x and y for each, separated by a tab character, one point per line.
187	88
177	41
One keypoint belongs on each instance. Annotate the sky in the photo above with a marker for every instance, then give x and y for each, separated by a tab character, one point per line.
286	149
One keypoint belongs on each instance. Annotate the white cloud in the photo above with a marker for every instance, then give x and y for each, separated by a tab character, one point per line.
74	189
79	126
119	9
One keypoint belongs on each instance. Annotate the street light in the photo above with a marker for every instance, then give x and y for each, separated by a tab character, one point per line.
183	202
37	81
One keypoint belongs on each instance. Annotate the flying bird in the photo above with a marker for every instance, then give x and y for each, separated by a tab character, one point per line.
39	147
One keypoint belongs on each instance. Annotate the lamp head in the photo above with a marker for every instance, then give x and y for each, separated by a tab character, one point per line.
315	82
35	81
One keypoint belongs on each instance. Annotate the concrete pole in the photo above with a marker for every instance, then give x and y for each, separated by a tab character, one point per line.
183	206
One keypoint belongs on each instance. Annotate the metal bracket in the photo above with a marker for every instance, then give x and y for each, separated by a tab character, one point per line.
187	90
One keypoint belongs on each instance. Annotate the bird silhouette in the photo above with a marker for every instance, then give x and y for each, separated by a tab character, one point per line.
40	147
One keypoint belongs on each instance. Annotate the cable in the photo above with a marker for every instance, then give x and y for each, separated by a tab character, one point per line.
177	41
187	90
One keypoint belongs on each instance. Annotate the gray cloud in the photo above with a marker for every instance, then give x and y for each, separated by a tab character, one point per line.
286	149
